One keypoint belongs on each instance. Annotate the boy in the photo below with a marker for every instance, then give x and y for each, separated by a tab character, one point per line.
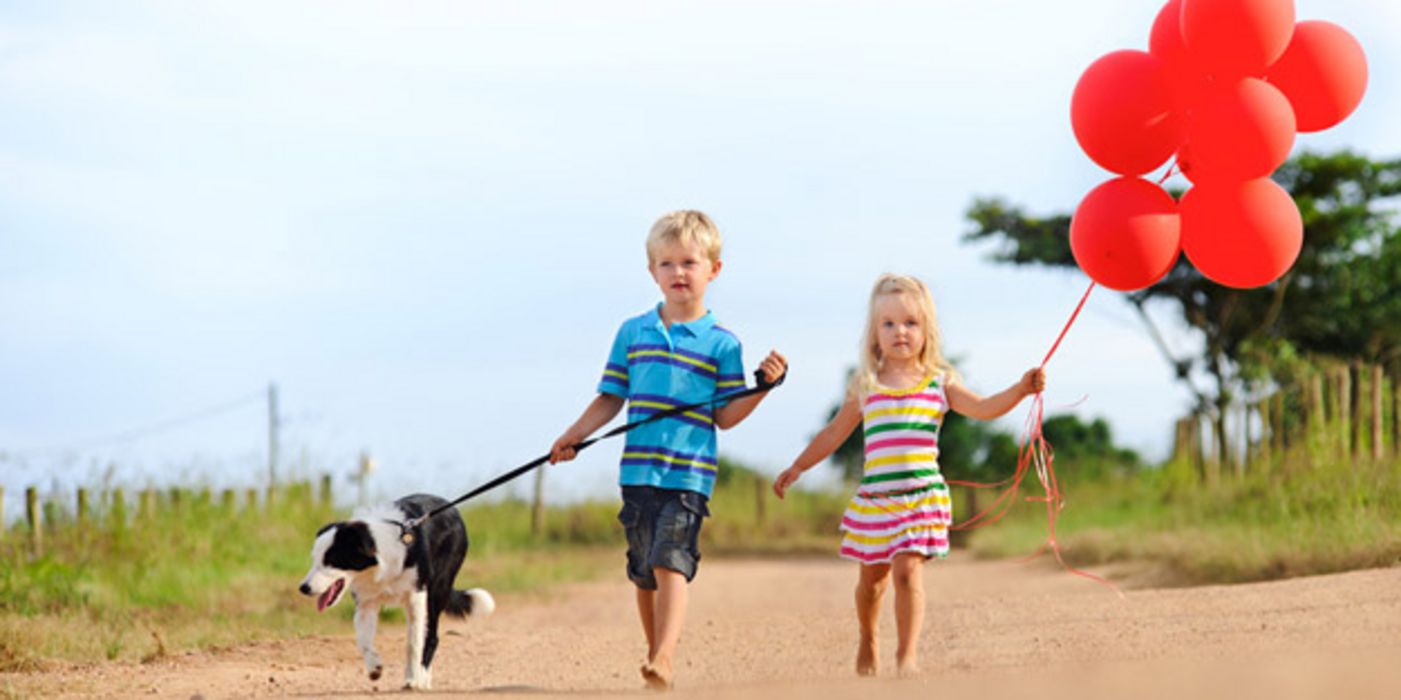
674	354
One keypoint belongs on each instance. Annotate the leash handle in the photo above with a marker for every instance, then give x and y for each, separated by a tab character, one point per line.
761	385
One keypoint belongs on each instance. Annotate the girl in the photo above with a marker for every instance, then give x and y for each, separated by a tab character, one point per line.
900	514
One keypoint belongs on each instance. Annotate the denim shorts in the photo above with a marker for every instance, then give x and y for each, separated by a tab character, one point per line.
663	529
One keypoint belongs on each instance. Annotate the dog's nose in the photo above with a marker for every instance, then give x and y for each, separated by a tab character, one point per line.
305	589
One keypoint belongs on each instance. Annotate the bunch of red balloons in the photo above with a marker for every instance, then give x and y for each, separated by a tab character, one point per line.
1224	86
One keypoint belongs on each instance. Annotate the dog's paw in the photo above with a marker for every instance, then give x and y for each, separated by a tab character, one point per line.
376	672
419	682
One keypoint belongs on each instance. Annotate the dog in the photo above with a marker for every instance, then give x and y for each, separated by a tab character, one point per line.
384	564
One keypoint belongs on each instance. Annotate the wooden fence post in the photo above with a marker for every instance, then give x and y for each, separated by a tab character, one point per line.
1267	431
31	514
117	508
146	504
250	498
1345	411
760	502
1396	416
227	501
537	503
1318	417
326	489
82	507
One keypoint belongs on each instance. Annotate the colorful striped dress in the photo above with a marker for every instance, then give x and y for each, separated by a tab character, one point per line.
902	504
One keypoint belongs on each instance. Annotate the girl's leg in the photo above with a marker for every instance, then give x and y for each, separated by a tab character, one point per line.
646	607
869	590
670	614
909	610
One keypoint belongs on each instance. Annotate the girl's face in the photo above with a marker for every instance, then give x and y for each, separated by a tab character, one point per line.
899	328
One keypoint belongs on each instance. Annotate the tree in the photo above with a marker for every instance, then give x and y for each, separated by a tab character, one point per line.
1336	299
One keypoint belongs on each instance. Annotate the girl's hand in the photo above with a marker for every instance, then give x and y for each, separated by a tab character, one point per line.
785	480
773	366
1034	381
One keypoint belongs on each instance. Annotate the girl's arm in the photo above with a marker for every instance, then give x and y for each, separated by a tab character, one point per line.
596	415
964	401
823	444
729	415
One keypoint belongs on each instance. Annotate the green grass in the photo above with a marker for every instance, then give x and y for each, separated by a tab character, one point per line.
1295	518
202	575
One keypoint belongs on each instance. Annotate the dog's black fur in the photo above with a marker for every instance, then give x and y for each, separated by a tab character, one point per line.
386	564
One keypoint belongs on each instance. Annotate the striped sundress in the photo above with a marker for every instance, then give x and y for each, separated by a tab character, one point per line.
902	504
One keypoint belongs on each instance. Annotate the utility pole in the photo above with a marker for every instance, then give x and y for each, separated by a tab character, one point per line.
272	435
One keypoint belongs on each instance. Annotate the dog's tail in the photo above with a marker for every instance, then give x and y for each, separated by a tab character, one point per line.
476	603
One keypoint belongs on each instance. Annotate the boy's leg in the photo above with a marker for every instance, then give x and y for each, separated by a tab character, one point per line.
869	590
909	610
669	617
646	607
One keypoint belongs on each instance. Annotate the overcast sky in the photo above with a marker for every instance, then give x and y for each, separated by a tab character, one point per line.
424	221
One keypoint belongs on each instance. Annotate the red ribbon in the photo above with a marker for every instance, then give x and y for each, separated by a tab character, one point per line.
1034	453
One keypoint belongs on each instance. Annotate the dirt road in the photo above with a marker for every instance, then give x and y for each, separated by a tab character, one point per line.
784	628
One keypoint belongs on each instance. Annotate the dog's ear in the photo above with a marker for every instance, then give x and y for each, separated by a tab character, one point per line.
353	548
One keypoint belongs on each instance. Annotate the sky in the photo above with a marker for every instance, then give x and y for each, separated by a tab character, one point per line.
424	221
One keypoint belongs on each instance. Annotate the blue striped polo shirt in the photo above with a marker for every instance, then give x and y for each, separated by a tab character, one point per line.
656	368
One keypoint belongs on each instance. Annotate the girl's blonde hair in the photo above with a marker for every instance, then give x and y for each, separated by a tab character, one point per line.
686	226
931	356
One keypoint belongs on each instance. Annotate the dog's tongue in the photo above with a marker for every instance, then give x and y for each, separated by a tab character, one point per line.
329	596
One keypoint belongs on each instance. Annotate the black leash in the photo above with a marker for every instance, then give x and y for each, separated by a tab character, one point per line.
761	385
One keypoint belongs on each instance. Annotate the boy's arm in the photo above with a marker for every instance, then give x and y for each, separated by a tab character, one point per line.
730	415
964	401
596	415
822	446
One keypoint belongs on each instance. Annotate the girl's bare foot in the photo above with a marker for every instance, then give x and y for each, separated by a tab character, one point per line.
867	658
907	668
657	676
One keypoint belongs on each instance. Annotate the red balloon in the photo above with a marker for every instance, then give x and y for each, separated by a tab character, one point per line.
1323	73
1234	38
1165	42
1126	234
1122	113
1241	234
1240	130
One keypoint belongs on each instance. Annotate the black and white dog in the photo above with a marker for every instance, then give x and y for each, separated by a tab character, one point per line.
384	565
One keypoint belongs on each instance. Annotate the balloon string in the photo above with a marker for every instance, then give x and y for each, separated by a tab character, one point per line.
1034	453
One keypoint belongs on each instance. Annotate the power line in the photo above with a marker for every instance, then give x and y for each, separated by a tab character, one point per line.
151	428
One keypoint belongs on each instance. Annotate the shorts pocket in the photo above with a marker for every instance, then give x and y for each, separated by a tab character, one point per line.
629	515
695	503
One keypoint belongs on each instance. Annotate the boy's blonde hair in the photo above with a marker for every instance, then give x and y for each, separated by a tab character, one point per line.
931	356
686	226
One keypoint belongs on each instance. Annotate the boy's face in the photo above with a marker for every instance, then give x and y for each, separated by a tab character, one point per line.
682	272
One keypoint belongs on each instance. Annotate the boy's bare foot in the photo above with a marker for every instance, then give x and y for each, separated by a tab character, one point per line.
657	676
867	658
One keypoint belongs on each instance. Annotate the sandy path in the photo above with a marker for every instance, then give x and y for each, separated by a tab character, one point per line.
785	629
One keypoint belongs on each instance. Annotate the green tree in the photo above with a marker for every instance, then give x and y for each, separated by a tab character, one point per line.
1338	298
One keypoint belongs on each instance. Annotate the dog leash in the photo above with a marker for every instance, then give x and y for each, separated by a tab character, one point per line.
761	385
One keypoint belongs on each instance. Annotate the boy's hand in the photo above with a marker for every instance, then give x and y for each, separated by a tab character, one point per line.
563	449
1034	381
773	367
785	480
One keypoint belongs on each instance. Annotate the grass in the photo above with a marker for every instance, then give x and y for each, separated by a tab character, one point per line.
1296	518
198	574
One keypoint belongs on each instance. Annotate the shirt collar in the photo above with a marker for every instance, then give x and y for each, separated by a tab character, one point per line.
695	328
